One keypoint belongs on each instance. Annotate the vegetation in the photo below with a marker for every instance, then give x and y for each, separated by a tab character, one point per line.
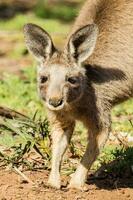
62	12
16	23
20	94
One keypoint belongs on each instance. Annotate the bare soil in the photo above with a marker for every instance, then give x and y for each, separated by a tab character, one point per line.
9	45
12	187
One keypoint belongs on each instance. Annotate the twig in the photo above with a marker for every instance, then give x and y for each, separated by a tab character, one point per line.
122	141
9	113
38	151
131	122
22	175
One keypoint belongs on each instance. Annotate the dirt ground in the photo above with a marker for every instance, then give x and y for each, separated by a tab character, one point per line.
12	187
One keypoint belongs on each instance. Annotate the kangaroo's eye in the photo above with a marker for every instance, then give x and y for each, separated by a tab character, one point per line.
72	80
43	79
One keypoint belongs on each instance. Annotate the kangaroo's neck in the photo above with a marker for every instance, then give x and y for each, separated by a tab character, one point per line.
109	85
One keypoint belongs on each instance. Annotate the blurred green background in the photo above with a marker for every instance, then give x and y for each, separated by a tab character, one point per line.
55	16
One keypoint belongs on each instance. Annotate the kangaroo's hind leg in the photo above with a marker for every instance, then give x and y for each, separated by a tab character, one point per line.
95	144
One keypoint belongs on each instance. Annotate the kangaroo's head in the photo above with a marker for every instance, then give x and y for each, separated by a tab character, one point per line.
61	76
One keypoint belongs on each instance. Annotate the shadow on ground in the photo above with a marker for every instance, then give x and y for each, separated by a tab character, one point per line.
116	174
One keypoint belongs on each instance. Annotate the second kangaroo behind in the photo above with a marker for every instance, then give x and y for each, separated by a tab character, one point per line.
83	82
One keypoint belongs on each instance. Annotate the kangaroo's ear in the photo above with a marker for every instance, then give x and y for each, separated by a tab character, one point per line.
38	42
81	44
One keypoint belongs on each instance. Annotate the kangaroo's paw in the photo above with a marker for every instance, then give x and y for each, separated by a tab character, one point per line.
54	181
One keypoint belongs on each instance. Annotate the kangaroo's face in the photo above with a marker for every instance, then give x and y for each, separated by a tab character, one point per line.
61	77
60	84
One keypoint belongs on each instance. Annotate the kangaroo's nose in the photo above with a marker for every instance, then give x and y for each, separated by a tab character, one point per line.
55	102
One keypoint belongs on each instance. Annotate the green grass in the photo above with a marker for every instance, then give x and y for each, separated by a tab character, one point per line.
17	23
125	108
62	12
14	28
21	94
121	115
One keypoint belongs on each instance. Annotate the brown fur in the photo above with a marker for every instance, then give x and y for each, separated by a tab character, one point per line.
103	80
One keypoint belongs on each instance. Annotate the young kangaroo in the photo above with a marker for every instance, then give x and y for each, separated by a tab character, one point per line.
83	82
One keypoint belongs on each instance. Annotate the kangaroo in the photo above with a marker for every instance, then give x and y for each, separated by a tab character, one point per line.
92	73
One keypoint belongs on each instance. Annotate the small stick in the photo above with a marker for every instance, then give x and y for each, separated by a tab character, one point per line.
131	122
22	175
10	113
121	140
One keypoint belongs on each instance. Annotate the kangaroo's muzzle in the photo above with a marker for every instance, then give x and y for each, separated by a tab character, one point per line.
55	102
